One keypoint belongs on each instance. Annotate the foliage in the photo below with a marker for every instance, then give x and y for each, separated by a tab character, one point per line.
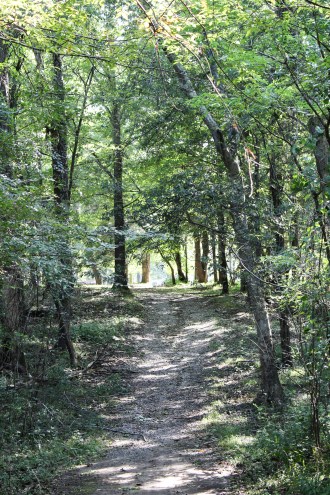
261	70
273	450
57	419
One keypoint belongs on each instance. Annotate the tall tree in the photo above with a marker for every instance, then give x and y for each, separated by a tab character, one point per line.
62	287
120	276
270	383
12	300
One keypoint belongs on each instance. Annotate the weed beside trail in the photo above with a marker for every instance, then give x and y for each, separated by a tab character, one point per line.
273	450
55	418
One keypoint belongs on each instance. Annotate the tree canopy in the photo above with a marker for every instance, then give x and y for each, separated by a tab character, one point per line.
150	126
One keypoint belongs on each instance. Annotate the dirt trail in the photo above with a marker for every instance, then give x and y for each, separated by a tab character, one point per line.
159	446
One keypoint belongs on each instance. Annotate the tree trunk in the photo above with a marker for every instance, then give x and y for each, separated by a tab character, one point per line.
205	254
214	258
199	272
223	275
271	390
186	257
13	320
276	190
12	299
295	232
169	264
97	275
285	336
270	385
321	152
6	118
120	277
145	268
172	274
243	286
64	312
322	159
178	262
62	287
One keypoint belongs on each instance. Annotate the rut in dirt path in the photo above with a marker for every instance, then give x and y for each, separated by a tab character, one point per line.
158	445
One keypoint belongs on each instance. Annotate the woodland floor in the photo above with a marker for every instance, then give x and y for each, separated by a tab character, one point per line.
184	383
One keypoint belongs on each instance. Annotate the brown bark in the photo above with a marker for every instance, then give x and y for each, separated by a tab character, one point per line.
178	262
199	272
172	273
322	159
12	300
270	385
63	287
186	257
243	286
13	320
169	264
276	190
271	390
285	337
205	253
58	134
97	275
255	190
74	156
120	277
145	268
6	124
321	151
223	275
214	259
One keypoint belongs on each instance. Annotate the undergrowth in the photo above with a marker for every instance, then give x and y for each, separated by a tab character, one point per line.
54	418
273	450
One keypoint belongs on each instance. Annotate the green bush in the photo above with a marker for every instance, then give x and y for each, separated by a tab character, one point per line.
283	453
99	332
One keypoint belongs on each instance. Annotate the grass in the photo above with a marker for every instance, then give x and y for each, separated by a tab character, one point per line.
48	427
57	417
272	450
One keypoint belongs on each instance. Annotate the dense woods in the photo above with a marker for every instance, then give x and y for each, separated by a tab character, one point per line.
180	130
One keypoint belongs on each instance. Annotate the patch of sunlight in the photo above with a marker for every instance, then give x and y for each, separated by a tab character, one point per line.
165	483
202	326
232	440
136	320
240	440
215	406
220	418
251	382
230	361
288	374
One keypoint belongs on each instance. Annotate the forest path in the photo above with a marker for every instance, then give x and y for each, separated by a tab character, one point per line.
159	443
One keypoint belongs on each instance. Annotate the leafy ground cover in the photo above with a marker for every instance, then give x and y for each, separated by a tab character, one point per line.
272	449
53	419
168	374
